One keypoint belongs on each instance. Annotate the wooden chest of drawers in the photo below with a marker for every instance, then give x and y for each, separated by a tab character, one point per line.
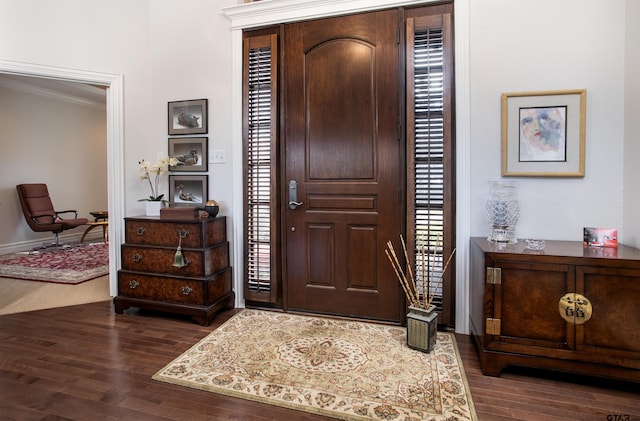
148	279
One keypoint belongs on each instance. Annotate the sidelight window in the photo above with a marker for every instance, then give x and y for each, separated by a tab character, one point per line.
260	117
429	152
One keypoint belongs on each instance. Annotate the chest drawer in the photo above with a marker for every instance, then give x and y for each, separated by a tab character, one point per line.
199	262
195	233
202	292
160	288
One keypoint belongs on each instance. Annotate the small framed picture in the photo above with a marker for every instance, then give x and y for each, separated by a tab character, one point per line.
600	237
188	190
191	153
188	117
543	133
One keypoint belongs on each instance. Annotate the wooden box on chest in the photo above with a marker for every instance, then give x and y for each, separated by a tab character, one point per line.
148	278
568	308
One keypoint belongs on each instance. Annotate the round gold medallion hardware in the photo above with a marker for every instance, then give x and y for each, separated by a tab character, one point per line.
575	308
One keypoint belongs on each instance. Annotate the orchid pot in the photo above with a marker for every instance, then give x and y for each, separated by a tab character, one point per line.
153	207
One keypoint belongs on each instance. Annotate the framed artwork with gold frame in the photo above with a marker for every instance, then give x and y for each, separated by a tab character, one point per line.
543	133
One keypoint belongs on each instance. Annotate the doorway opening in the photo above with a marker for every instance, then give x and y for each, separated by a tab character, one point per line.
113	84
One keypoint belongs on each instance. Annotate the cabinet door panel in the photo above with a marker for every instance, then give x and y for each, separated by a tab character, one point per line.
527	304
613	327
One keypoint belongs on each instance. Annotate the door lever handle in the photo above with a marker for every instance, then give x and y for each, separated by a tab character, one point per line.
294	205
293	195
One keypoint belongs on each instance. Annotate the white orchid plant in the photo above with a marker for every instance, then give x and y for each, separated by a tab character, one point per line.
152	171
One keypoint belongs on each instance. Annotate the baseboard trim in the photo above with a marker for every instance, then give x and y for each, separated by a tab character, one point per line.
39	242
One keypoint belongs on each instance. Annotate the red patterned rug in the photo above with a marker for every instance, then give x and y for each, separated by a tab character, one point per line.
72	265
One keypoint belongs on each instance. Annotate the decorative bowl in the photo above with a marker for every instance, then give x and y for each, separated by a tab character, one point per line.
212	208
533	244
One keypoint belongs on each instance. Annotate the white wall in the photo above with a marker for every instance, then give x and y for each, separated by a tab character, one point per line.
631	234
165	50
191	52
518	46
47	140
108	36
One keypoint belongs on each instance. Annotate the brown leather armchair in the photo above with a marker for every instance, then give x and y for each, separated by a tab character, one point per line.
39	211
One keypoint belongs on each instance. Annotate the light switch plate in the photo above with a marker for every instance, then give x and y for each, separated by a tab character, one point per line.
217	156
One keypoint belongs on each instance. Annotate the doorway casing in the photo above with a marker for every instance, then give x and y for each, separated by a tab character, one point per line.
253	15
115	142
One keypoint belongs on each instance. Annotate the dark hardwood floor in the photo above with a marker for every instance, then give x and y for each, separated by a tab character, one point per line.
87	363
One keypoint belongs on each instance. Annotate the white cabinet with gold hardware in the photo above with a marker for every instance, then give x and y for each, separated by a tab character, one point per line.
567	307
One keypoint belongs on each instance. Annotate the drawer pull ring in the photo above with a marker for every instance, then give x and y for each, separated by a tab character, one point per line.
186	290
140	231
137	257
133	284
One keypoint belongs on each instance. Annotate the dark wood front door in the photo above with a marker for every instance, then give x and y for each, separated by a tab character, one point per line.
343	153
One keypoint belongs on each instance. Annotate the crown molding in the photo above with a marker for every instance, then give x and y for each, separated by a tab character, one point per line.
59	94
269	12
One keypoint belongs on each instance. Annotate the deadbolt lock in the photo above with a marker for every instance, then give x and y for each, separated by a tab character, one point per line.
575	308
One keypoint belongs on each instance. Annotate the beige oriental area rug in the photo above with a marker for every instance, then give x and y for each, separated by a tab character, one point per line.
338	368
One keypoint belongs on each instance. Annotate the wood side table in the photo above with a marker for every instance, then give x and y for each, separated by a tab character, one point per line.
101	219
